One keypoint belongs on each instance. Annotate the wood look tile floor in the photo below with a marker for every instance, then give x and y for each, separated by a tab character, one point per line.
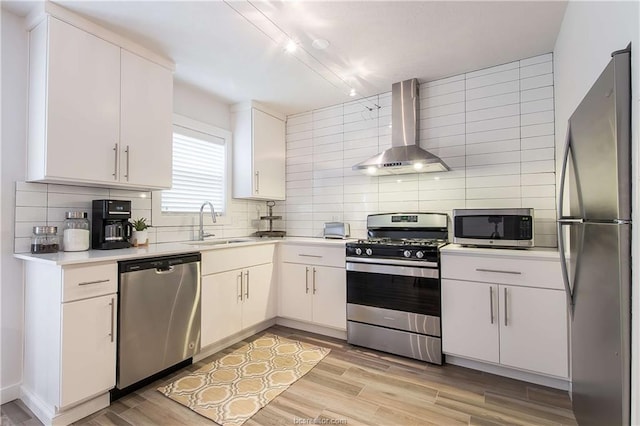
354	386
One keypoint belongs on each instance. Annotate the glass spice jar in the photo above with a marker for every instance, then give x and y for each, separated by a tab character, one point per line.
76	234
45	240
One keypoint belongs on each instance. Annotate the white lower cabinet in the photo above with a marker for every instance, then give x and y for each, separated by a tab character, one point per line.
523	326
88	347
314	292
236	299
70	339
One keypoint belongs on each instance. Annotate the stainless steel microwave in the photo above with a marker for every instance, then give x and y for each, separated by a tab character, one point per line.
493	227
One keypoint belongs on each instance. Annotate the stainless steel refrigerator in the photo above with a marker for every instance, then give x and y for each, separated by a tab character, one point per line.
596	175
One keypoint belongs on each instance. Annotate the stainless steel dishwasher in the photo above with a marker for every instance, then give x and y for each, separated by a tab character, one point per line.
159	315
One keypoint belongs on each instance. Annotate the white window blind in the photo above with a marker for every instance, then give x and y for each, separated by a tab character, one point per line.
199	172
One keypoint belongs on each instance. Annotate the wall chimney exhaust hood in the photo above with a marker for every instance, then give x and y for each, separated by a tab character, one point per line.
404	156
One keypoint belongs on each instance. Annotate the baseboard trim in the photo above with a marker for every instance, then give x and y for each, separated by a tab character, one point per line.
9	393
48	416
312	328
552	382
233	339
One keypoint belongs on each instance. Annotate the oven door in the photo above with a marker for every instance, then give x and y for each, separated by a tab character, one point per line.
399	297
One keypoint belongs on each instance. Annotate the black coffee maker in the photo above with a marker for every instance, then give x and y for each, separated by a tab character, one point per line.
110	227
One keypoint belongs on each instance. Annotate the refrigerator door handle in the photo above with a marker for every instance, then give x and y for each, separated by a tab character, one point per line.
563	221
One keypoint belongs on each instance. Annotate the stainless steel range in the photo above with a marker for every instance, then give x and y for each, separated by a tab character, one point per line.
393	285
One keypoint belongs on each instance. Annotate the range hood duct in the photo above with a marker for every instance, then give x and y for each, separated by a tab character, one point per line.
404	156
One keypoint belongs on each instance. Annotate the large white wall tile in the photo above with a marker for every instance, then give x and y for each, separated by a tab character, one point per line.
493	127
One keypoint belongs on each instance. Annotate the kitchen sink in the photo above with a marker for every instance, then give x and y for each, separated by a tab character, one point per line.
221	242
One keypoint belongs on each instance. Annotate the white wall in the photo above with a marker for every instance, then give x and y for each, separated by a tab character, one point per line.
493	127
195	104
589	33
14	105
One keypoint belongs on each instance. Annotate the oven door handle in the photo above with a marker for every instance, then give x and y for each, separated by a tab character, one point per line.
400	262
394	270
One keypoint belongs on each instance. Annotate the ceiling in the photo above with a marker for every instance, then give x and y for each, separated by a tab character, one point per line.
235	49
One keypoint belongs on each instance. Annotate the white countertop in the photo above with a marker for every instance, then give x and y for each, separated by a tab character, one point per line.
92	256
535	252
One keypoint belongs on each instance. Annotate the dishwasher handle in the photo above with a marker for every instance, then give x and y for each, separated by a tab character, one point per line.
163	264
165	270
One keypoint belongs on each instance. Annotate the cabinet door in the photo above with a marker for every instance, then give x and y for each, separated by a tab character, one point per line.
295	292
146	134
469	326
83	105
268	156
329	289
221	306
259	302
533	329
88	348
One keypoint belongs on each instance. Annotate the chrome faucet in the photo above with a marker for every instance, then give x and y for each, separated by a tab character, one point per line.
201	233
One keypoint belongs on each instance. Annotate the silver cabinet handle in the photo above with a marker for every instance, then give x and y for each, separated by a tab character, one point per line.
314	280
246	295
310	255
491	302
127	171
93	282
306	280
115	166
498	271
257	182
506	308
241	286
113	311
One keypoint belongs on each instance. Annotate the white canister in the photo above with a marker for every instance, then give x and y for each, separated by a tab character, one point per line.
76	234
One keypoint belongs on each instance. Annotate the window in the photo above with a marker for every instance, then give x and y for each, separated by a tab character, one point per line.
200	158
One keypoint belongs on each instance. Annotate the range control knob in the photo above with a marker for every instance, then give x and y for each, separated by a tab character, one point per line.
358	251
407	253
369	252
419	254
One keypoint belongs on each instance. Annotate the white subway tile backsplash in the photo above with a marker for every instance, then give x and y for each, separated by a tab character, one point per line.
546	129
493	147
493	158
537	94
544	166
32	214
493	135
536	69
439	111
537	106
536	118
493	101
443	120
494	112
493	90
493	78
532	191
536	59
535	82
493	124
493	181
492	70
493	127
493	193
436	101
538	179
537	154
31	199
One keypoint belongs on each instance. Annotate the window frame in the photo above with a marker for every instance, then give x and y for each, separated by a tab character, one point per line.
158	219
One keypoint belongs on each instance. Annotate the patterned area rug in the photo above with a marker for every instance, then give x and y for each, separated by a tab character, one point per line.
233	388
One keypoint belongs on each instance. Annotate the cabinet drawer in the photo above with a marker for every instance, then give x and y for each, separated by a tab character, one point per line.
501	270
313	255
228	259
81	282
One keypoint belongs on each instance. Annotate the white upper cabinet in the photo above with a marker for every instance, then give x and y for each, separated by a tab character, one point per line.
97	113
259	153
